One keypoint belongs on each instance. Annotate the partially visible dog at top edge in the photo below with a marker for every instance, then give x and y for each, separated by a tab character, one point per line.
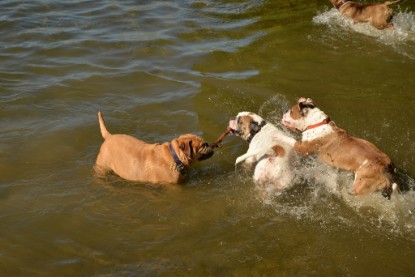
378	14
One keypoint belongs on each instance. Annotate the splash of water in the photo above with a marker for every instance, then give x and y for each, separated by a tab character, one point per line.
272	109
322	193
401	37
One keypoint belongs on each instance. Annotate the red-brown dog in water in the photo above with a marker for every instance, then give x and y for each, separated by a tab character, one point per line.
373	169
378	14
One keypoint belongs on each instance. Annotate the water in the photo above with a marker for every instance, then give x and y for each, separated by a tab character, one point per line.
400	38
157	69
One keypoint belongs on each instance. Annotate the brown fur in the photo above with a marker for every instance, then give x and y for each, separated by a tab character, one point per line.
373	169
378	14
279	150
344	151
136	160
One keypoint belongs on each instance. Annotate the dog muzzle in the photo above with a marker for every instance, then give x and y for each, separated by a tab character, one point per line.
205	152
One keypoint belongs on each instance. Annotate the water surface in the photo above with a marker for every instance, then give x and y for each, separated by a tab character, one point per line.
158	69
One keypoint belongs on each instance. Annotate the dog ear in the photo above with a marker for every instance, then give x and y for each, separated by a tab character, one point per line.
304	105
255	127
187	148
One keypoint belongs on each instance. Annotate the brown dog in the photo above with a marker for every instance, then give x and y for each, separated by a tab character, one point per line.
378	14
136	160
373	169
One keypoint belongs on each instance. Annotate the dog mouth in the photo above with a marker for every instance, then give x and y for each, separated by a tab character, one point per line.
236	132
233	126
205	152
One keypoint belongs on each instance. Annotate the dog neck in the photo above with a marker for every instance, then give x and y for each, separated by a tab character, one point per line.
325	121
179	165
319	125
318	131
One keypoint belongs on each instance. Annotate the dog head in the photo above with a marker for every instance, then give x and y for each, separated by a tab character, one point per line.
338	3
302	115
191	148
246	125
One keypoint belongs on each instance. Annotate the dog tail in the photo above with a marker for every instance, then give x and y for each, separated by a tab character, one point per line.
388	3
104	131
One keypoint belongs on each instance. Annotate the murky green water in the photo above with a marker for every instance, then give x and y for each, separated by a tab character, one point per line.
157	69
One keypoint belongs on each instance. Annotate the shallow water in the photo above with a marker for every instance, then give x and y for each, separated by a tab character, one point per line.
157	69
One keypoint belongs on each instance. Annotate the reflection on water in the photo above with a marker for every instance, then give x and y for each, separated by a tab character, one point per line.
158	69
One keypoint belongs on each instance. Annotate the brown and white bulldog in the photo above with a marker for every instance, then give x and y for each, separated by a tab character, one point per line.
136	160
373	169
378	14
272	159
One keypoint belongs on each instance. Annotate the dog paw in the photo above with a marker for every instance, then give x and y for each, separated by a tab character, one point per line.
238	160
351	193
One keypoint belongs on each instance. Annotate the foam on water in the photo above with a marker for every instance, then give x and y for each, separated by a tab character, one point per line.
400	37
322	193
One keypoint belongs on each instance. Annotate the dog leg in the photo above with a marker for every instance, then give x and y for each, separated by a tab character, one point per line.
101	171
388	3
368	180
260	152
284	139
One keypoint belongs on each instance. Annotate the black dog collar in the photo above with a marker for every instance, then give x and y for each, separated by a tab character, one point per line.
179	165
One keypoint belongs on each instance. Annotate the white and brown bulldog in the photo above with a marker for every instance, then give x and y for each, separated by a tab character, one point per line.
272	157
378	14
373	169
136	160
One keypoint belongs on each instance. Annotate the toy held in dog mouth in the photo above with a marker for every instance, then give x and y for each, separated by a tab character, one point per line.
219	140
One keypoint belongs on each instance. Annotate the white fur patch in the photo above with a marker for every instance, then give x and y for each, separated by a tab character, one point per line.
317	132
271	169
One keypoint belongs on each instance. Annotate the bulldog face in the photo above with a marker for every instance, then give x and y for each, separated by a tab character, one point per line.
194	147
299	117
246	125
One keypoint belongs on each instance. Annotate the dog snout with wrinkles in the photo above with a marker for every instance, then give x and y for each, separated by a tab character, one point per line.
205	151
